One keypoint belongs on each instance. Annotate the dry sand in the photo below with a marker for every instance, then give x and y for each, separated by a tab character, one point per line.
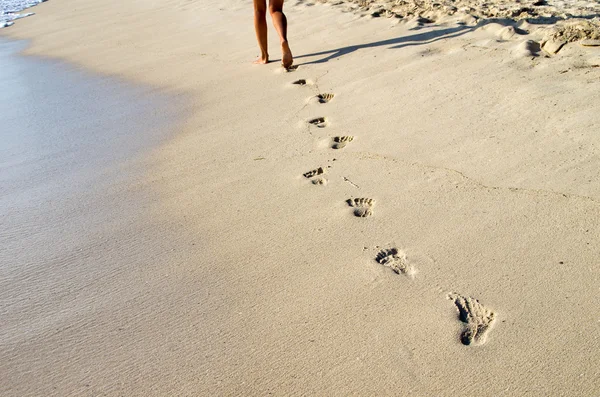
473	167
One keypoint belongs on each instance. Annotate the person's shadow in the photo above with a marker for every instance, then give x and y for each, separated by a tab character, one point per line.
428	37
398	42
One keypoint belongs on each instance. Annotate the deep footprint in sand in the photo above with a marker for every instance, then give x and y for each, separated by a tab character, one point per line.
396	261
340	142
292	68
324	98
300	82
363	207
477	318
318	122
315	172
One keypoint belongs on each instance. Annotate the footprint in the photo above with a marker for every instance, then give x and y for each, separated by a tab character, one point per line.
312	173
324	98
340	142
319	122
478	319
396	261
292	68
300	82
363	207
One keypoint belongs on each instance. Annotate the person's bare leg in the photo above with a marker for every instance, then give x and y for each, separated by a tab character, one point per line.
260	26
280	23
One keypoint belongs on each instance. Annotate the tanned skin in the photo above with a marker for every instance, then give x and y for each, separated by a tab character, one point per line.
280	23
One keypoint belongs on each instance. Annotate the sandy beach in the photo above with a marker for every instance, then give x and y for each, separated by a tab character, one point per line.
413	209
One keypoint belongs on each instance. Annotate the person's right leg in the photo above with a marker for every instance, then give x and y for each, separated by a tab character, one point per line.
280	23
260	26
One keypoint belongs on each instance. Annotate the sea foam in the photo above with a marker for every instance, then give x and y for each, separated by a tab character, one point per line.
9	10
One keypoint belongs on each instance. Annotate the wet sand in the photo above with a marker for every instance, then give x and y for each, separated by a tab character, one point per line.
76	212
413	210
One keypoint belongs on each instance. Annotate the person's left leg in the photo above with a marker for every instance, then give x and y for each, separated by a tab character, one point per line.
280	23
260	26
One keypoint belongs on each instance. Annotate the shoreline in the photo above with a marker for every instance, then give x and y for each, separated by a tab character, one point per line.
9	12
473	159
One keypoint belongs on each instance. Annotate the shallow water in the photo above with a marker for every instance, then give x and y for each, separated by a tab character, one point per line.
64	131
60	122
74	199
9	10
67	138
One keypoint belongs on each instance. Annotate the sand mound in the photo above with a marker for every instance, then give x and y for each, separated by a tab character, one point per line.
563	22
587	32
538	9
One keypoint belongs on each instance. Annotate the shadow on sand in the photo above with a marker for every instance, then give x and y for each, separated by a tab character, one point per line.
427	37
395	43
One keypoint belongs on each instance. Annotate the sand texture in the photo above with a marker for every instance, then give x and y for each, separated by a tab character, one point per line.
414	209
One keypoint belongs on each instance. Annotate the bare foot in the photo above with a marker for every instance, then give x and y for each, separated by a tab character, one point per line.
287	59
263	59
